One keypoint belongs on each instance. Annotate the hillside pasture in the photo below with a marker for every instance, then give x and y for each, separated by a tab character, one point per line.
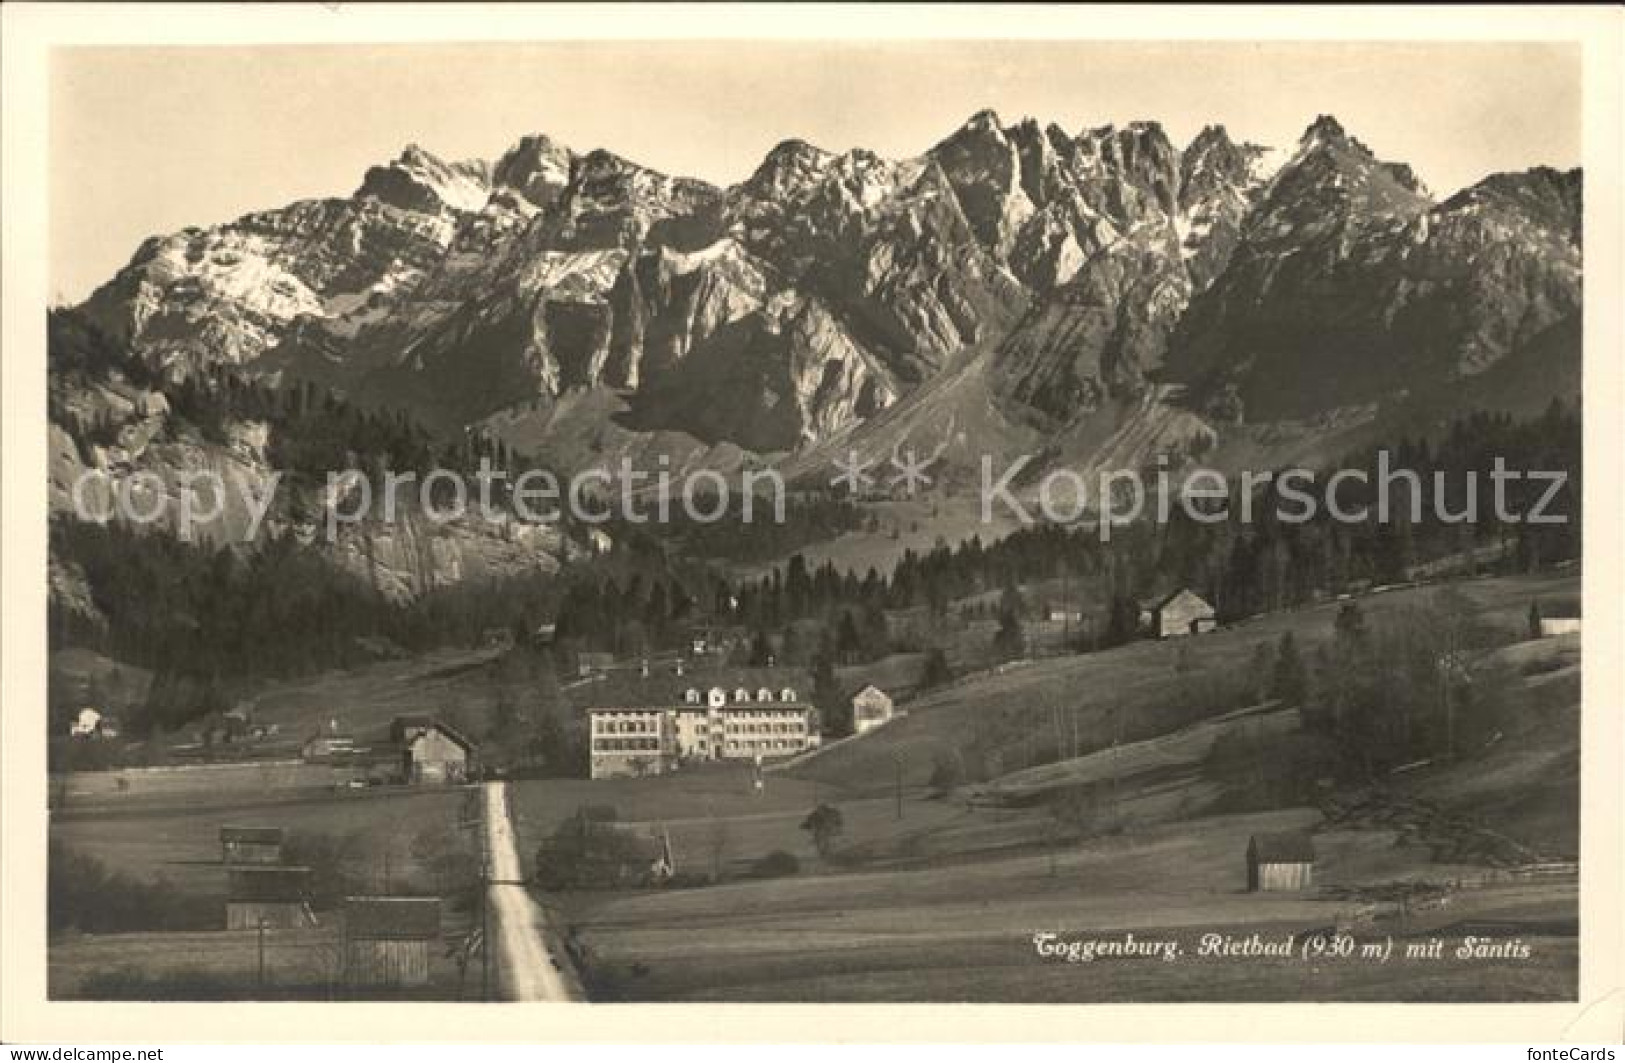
1130	693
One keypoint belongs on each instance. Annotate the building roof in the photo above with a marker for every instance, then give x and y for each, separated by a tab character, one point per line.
399	726
328	737
271	882
1294	848
263	835
664	688
412	719
1155	604
455	735
392	918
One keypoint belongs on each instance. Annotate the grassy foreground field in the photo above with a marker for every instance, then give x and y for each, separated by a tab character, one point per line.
963	930
397	841
178	839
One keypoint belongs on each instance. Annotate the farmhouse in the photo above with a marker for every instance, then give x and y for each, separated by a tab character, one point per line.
250	845
387	940
328	745
1280	862
87	724
871	707
649	724
276	898
1559	625
1184	612
591	662
430	751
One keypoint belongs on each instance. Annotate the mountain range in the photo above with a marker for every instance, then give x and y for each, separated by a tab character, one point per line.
1095	297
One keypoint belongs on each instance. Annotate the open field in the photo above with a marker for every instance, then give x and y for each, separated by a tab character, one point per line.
401	840
224	965
963	930
178	840
368	698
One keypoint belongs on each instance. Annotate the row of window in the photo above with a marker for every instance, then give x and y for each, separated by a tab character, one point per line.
763	744
625	745
765	728
651	745
644	723
693	696
627	727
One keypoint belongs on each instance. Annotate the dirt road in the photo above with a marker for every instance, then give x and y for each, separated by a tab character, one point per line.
519	934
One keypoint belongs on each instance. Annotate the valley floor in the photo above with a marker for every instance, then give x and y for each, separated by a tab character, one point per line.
930	895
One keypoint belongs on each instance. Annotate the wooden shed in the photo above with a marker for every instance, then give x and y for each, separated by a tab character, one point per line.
871	707
388	940
431	751
251	845
1280	862
277	898
1184	612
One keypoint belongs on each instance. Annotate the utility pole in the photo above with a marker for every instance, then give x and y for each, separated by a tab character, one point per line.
485	898
1116	735
897	760
485	932
261	976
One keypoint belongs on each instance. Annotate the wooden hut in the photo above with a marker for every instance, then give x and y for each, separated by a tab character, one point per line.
276	898
1280	862
871	707
430	751
1184	612
251	845
387	940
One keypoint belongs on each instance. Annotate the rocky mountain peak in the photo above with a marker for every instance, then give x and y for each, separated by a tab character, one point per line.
1325	129
420	181
538	168
1548	199
790	165
1210	138
983	121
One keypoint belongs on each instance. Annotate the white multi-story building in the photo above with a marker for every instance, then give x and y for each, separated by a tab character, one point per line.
651	724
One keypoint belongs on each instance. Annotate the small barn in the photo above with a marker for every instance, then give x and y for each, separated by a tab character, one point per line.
388	940
871	707
431	752
86	724
1280	862
276	898
1559	625
1184	612
593	662
327	745
250	845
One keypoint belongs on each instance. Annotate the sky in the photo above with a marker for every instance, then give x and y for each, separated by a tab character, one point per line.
151	140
